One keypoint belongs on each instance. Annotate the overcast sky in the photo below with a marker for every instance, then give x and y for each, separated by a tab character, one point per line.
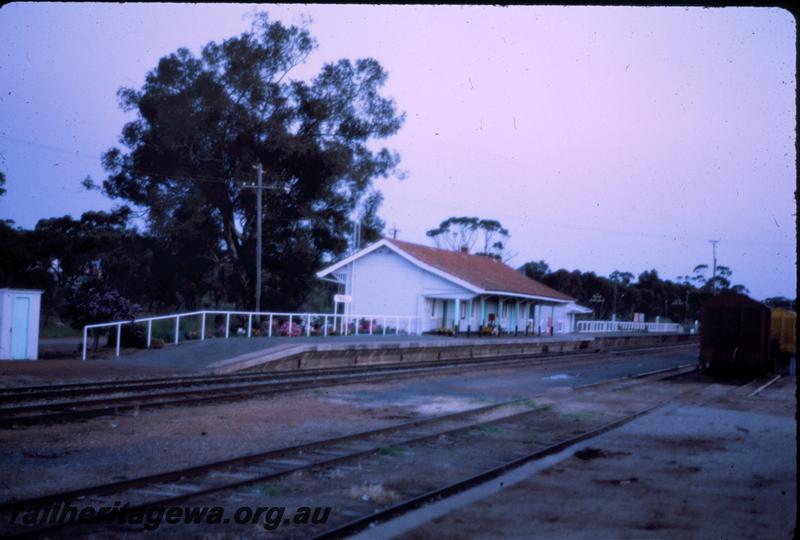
602	138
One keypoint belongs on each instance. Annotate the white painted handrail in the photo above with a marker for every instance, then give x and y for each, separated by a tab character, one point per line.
626	326
341	323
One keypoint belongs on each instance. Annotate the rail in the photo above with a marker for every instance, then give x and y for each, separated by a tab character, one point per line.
284	324
626	326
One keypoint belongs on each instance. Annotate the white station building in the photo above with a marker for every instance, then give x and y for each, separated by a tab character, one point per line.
445	289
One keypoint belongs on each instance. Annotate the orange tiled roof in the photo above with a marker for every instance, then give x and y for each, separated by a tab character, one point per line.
483	272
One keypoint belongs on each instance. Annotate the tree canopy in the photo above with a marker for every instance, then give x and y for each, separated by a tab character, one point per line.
720	282
456	233
781	302
203	123
648	293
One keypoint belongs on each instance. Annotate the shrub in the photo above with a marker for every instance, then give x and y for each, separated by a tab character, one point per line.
92	302
293	330
363	327
317	329
133	336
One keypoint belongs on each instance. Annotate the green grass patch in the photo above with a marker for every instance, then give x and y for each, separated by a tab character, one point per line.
391	451
58	329
494	430
529	403
585	415
269	490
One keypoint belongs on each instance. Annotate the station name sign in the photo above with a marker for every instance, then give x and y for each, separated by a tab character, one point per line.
343	298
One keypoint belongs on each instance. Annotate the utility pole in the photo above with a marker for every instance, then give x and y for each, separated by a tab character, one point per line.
714	271
259	189
354	245
614	312
686	306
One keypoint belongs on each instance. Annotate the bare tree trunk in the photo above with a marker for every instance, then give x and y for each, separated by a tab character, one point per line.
233	249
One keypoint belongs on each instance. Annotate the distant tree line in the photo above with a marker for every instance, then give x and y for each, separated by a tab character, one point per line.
621	293
99	268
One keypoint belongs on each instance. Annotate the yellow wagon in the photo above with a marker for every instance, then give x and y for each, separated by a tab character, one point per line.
782	332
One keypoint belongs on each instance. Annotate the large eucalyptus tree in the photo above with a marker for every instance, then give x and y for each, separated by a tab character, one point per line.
202	124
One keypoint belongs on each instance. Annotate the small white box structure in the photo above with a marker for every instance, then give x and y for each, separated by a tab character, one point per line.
19	324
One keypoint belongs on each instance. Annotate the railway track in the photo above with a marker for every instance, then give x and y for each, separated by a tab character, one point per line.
198	483
14	393
376	516
38	405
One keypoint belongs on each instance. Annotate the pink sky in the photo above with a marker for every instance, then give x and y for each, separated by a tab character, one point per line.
603	138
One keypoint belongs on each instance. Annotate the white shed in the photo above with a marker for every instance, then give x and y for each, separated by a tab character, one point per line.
19	324
565	317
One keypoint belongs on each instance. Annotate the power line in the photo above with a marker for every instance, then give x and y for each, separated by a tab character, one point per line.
259	191
714	272
76	153
220	180
637	234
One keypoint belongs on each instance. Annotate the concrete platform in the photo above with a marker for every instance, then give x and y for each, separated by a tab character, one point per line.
284	353
433	349
724	470
348	352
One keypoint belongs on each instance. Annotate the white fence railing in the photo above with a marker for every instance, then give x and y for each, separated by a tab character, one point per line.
288	324
624	326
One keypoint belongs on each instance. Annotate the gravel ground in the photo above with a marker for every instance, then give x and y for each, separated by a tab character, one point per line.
45	459
39	459
400	471
452	392
723	470
19	373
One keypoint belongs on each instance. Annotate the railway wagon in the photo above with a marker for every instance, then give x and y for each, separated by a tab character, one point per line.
782	332
735	335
